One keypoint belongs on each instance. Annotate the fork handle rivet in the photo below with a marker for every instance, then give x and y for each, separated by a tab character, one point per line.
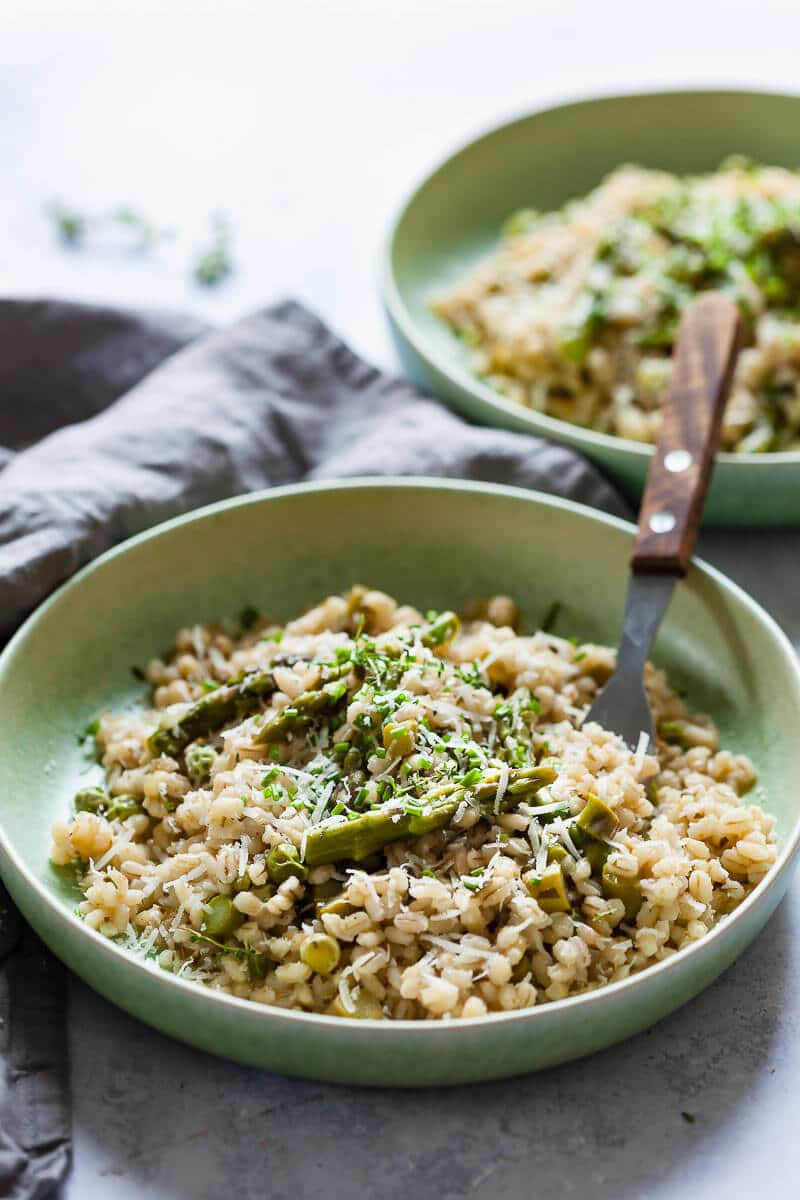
677	461
662	522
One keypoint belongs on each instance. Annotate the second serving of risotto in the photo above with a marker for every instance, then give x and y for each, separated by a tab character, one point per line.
377	813
575	314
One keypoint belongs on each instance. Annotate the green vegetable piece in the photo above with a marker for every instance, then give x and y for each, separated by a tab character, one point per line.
621	887
320	952
231	702
245	884
221	917
521	221
114	808
674	731
200	759
92	799
283	861
593	849
440	631
522	969
352	759
579	333
257	964
121	807
321	892
576	342
303	711
338	905
366	1007
523	784
372	830
549	889
556	853
399	738
597	819
248	617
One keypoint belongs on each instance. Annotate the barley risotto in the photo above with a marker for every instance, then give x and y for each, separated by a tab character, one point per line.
374	812
575	315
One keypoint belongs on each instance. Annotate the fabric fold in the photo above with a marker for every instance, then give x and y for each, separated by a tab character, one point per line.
111	421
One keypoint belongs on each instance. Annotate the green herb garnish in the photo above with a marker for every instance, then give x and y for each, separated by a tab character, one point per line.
551	616
215	264
248	617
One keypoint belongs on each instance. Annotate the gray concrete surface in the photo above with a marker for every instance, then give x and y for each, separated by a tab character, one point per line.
308	122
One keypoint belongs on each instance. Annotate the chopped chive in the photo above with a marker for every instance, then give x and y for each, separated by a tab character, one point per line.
601	916
91	730
551	616
248	617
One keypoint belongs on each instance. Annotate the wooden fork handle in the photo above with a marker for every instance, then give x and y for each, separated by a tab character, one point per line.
680	471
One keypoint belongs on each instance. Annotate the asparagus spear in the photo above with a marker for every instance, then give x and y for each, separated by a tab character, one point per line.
229	703
303	711
373	830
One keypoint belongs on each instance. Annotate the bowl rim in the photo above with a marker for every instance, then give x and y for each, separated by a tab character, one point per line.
66	920
429	349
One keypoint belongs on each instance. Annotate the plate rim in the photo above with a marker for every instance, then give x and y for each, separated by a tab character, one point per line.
66	919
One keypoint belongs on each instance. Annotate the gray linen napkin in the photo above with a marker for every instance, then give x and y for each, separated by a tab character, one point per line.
111	421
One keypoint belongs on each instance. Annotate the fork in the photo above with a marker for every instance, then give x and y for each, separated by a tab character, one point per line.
672	505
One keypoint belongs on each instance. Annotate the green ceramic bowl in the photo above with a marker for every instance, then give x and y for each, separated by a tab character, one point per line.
72	660
542	160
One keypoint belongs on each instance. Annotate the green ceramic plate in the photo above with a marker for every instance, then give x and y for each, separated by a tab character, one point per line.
72	660
540	161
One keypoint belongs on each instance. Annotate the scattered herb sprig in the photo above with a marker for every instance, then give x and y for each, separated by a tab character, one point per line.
79	230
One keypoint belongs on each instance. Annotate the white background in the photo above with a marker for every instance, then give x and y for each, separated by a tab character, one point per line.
308	122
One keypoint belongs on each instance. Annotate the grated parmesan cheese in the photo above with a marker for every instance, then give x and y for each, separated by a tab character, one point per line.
119	843
502	784
641	752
